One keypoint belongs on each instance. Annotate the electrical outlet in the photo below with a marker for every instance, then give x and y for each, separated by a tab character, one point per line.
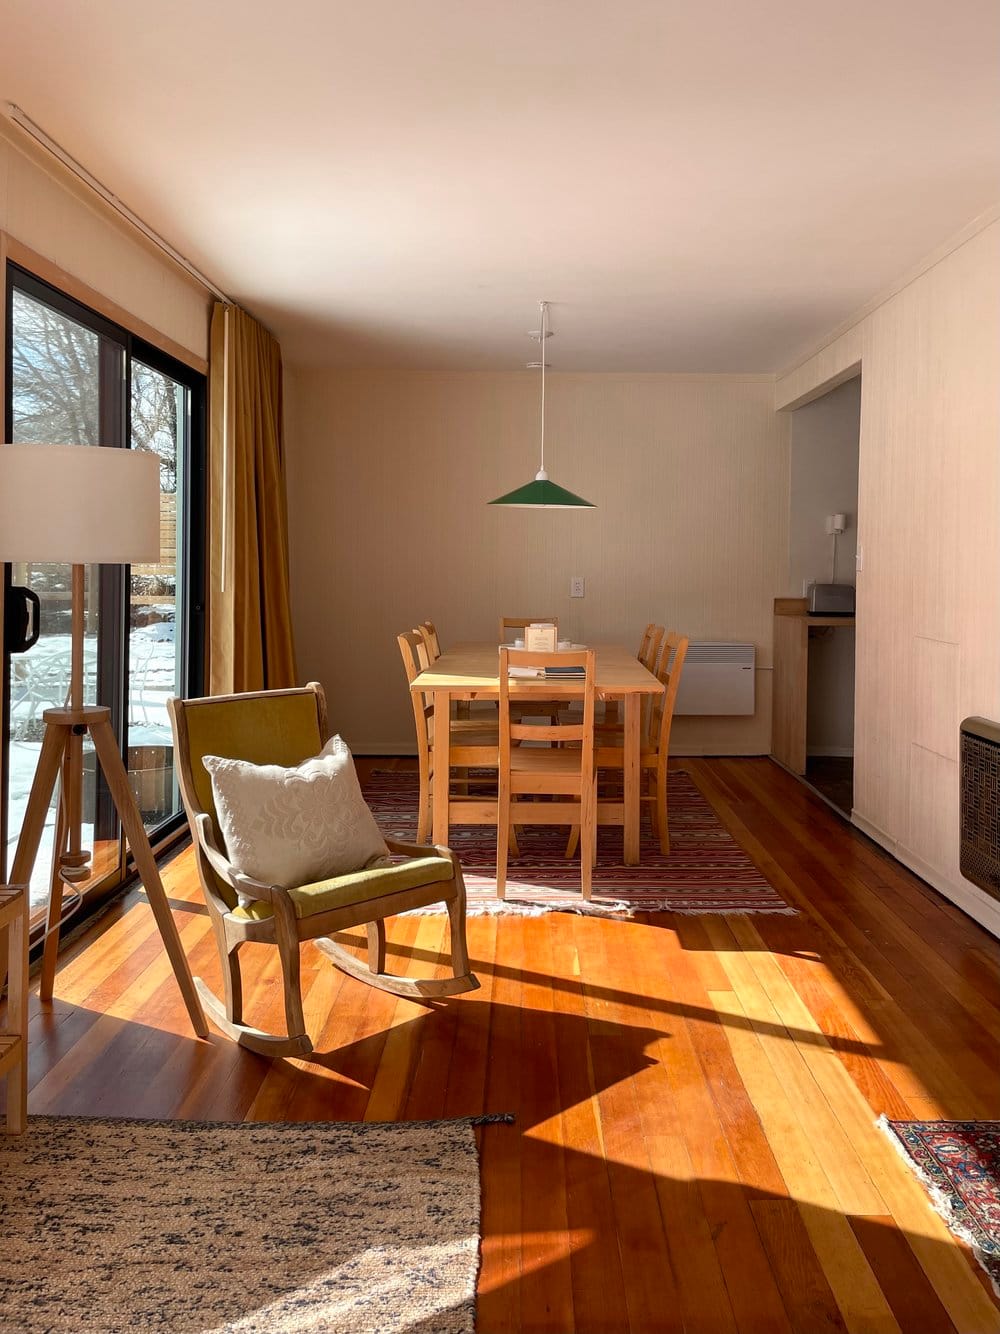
576	586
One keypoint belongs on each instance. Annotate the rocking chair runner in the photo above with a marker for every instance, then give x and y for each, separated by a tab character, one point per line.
286	727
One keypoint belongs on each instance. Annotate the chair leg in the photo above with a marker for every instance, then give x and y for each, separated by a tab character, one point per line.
417	988
456	920
660	806
572	842
287	940
503	837
228	1015
512	843
376	946
232	983
653	802
588	841
424	806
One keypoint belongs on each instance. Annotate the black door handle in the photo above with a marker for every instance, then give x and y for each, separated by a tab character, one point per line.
22	619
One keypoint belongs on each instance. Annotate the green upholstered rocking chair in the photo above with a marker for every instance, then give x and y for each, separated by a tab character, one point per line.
286	727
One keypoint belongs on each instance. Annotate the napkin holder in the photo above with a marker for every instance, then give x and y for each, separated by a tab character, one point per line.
541	637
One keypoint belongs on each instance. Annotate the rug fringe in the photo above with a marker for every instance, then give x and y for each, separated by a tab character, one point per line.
940	1202
494	1119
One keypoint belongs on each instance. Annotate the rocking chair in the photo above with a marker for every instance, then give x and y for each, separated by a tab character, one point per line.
286	727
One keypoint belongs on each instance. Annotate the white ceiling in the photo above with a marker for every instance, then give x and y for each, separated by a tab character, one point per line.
696	185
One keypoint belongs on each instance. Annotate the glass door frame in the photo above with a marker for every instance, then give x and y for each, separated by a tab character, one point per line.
114	580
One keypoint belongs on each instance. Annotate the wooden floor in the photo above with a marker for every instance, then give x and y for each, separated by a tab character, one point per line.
695	1146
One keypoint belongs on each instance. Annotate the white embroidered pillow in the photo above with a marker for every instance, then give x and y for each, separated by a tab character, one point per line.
291	827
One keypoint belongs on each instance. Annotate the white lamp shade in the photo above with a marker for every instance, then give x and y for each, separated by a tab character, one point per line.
79	504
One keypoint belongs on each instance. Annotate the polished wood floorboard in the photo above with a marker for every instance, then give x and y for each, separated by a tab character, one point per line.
695	1147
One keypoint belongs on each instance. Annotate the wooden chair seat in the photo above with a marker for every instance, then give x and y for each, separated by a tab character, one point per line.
360	887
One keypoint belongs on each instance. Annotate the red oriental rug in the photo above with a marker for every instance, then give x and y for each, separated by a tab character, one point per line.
959	1164
707	870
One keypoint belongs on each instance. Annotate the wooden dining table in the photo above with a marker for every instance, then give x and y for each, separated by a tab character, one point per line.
471	672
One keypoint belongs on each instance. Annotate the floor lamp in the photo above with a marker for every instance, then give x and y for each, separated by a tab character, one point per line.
81	505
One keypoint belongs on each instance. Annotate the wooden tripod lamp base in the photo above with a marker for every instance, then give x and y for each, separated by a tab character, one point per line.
81	505
63	728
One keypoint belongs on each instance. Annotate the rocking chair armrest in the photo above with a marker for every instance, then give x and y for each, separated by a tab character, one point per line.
224	869
420	849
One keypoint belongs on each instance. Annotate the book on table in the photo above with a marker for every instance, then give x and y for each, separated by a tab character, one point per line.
548	673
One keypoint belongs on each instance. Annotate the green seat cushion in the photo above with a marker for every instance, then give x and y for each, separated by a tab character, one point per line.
343	890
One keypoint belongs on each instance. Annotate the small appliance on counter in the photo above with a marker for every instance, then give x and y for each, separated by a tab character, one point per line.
831	600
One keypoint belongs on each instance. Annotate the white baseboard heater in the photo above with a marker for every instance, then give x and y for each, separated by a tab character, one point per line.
717	679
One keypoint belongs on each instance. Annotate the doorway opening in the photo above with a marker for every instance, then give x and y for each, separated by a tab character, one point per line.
825	447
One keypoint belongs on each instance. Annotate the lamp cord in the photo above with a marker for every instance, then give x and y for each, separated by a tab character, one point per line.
545	317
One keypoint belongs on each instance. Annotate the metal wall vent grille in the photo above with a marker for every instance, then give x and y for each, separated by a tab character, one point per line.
979	776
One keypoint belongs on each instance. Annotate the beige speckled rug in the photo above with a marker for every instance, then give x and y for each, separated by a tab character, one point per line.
115	1227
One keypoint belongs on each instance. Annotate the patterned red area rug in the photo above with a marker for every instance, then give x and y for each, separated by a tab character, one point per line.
959	1164
707	870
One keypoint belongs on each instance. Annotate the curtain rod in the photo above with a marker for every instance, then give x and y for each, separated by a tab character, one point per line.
24	122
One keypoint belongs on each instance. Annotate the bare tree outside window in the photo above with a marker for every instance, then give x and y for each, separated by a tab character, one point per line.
55	380
56	388
154	420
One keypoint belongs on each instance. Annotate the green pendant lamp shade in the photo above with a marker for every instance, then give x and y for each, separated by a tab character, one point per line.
542	494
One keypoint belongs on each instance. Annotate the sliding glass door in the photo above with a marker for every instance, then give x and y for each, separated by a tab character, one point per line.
75	378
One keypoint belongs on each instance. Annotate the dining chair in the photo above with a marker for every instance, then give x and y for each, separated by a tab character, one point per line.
522	622
461	708
565	772
429	635
472	744
286	727
540	708
649	648
655	748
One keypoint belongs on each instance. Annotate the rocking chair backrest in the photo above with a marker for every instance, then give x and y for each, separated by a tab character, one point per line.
265	727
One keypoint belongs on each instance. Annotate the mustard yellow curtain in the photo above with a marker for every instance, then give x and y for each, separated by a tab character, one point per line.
250	624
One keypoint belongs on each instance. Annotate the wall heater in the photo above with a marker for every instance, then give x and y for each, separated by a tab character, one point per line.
717	679
979	817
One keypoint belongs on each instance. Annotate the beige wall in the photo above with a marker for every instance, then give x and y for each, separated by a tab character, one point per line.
928	640
44	208
81	245
389	475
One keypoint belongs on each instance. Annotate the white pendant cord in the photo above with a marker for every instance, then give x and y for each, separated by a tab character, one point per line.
543	334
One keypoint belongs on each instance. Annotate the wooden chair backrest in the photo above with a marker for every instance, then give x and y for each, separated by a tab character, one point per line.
581	731
430	637
521	622
265	727
413	650
650	646
675	649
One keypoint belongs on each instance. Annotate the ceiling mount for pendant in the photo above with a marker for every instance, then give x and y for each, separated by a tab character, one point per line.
542	493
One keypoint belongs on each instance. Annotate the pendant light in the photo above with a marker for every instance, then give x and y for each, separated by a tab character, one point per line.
542	493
